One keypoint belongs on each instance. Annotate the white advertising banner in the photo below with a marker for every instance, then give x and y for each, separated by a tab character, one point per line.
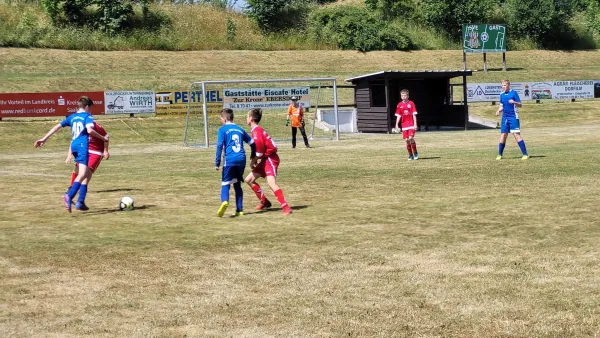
266	98
136	102
484	92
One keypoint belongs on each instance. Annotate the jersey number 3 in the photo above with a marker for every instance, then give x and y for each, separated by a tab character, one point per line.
238	146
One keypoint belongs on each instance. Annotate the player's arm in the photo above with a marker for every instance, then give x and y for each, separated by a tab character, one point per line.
43	140
248	139
500	108
106	154
516	100
397	120
220	142
414	114
260	150
69	155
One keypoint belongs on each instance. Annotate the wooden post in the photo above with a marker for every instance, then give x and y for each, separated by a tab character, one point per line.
485	62
388	104
504	61
464	60
466	105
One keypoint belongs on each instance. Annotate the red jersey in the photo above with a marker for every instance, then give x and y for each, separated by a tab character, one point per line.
264	144
96	145
406	110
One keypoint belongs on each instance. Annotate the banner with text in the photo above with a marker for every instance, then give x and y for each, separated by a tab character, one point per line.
484	92
176	101
266	98
122	102
46	104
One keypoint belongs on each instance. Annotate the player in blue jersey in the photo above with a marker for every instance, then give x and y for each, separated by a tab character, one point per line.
509	104
82	125
230	145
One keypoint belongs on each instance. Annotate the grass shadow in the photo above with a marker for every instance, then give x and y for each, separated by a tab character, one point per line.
119	189
428	158
113	210
294	208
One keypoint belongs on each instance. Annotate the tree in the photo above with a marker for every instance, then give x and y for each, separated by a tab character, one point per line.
448	16
278	15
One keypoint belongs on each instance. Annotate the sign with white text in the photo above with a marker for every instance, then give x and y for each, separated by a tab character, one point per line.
265	98
485	92
122	102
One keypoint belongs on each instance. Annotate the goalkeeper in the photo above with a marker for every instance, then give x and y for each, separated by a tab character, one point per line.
296	114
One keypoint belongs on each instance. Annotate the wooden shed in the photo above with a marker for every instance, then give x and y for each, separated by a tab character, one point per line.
377	94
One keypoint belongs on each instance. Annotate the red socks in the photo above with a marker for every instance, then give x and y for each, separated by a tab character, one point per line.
414	147
73	177
259	193
409	149
280	198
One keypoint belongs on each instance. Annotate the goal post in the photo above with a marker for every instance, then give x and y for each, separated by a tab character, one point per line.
200	123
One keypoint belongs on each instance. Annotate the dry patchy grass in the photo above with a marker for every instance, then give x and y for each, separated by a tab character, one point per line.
456	244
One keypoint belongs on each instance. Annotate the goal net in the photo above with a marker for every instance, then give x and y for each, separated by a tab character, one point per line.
273	97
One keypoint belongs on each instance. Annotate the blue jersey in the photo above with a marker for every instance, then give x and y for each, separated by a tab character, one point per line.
509	110
79	122
230	138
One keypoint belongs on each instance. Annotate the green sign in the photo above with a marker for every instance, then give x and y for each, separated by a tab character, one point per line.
484	38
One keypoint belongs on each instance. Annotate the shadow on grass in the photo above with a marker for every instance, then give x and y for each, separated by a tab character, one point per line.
428	158
112	210
294	208
119	189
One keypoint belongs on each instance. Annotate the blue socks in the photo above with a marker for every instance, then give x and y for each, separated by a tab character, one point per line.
522	146
74	189
82	193
501	148
239	196
224	193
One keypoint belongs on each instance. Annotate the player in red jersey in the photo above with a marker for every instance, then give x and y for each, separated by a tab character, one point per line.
406	111
97	150
266	152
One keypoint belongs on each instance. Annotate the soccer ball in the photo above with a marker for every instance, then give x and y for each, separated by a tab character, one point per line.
126	203
396	130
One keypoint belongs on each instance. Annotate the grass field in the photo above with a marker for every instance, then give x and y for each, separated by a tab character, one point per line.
455	244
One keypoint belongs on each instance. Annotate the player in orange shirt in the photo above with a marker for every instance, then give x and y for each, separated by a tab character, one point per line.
296	113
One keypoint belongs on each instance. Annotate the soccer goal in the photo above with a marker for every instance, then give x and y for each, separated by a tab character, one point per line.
272	96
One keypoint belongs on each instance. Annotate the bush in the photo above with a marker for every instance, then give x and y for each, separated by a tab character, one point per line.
351	27
544	21
273	16
448	16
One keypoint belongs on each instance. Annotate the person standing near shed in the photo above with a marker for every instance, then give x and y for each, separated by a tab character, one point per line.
296	115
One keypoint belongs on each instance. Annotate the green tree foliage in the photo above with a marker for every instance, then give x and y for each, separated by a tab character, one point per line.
279	15
391	9
592	15
544	21
351	27
448	16
113	15
231	30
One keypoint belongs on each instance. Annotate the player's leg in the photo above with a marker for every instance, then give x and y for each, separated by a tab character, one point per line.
226	180
294	132
74	175
251	180
413	144
271	167
303	132
80	205
504	130
516	131
405	135
239	193
81	157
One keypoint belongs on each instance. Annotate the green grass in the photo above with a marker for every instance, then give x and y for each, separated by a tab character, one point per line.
455	244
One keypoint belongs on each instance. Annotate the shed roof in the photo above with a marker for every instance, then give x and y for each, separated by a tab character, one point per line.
423	74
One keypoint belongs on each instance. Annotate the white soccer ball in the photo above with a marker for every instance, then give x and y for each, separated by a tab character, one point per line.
126	203
396	130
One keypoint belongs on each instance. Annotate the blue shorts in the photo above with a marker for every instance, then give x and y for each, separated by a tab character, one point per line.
80	153
510	125
233	174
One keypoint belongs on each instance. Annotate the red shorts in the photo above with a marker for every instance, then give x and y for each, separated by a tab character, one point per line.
407	133
267	166
93	162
